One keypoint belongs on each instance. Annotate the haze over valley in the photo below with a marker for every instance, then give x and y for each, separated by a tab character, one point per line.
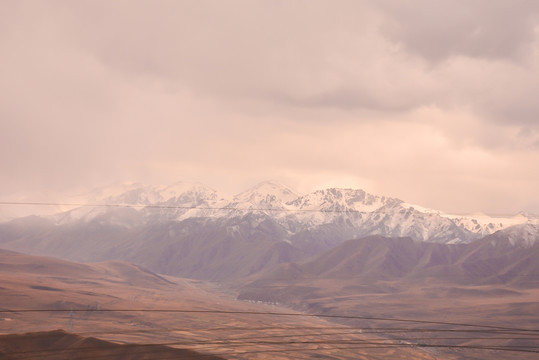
369	263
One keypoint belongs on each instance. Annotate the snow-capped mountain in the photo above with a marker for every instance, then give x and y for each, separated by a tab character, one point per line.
522	235
266	195
356	212
191	230
177	201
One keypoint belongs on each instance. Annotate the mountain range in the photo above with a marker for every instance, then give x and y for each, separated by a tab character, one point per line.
191	230
363	213
331	252
491	282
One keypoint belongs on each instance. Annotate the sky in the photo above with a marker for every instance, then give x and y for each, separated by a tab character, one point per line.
432	102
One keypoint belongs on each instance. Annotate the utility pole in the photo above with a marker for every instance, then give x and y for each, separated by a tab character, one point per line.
70	323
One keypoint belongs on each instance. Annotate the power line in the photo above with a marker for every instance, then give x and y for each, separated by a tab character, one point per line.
349	331
479	347
235	342
410	342
227	343
292	332
230	312
177	207
160	206
270	340
284	351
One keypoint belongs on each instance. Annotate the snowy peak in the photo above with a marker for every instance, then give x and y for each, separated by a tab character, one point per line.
266	195
182	193
485	225
144	195
101	194
525	235
348	212
479	223
342	200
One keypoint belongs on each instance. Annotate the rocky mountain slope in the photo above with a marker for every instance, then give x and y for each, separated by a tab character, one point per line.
363	213
492	282
191	230
495	259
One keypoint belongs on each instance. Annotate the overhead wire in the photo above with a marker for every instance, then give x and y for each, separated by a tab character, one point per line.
287	314
350	331
270	339
181	207
363	330
241	342
490	328
365	344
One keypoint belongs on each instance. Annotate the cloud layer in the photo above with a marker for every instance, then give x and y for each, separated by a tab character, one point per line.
432	102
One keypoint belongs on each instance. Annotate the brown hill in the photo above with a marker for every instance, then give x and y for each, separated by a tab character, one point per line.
60	345
17	263
491	282
376	258
123	303
195	248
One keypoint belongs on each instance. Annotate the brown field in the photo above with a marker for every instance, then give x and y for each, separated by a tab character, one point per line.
476	301
494	306
78	297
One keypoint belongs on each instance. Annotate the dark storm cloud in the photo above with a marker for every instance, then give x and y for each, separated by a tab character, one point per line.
351	99
399	95
497	35
225	48
437	30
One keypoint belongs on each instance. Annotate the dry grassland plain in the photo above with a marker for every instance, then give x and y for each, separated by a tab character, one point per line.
77	297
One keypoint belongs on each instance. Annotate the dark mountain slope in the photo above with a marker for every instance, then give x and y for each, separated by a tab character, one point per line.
372	261
202	248
60	345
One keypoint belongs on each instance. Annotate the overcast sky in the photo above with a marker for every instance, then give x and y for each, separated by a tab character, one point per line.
433	102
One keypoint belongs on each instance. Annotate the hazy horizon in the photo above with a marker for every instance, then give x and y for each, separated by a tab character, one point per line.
431	103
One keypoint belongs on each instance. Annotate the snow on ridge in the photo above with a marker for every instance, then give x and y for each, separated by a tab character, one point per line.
179	188
99	195
145	195
485	225
421	209
295	212
342	200
480	223
267	192
268	198
522	235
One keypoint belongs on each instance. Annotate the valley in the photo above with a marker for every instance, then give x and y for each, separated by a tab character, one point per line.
456	297
336	274
125	304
